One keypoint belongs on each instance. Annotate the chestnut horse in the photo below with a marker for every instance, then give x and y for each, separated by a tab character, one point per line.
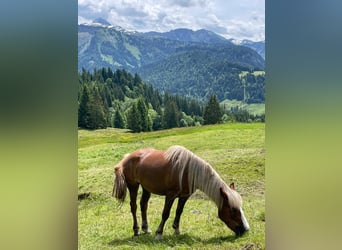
175	173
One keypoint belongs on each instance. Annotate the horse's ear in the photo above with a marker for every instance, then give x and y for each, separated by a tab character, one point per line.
223	193
231	185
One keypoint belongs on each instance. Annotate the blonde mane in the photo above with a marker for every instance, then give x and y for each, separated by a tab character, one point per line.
201	175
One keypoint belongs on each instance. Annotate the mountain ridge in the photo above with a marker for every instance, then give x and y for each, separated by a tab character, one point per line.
182	57
188	35
102	41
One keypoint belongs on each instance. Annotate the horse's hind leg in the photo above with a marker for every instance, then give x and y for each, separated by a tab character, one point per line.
180	206
166	213
133	192
143	205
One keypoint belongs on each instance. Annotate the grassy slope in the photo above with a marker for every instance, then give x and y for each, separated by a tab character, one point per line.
254	108
236	151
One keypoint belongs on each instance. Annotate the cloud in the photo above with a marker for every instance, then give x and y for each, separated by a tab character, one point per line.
188	3
83	20
230	18
245	29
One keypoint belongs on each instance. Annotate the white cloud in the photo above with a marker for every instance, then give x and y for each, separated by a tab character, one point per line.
82	20
241	19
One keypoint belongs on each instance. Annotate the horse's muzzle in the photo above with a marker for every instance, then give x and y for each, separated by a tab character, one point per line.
240	231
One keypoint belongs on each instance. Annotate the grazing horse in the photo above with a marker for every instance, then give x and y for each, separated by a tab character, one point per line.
175	173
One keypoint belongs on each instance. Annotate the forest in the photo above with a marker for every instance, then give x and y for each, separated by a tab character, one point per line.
119	99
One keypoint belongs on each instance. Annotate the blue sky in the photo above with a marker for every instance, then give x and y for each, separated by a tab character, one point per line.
239	19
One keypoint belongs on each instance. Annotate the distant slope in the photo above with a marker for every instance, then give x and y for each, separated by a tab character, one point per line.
192	63
201	72
254	109
111	47
259	47
187	35
101	45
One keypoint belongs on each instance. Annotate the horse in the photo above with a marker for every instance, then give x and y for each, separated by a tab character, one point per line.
175	173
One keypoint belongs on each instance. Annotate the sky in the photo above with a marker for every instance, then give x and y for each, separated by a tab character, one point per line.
238	19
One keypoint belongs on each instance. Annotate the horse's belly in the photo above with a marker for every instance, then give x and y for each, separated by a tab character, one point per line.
159	186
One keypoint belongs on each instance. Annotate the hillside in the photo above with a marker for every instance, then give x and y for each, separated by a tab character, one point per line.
236	151
187	35
119	99
109	46
101	45
259	46
193	63
204	71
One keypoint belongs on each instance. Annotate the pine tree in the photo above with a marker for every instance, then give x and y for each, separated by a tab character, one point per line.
157	119
134	119
170	116
97	117
212	112
137	79
83	109
118	119
145	126
195	108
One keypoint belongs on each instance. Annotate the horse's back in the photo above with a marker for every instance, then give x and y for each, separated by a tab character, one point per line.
154	173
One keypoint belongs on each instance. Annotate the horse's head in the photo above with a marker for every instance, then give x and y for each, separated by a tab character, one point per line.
231	212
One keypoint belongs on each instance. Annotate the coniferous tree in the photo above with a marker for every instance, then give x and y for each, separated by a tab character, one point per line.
107	97
118	120
103	92
212	111
146	124
144	119
97	117
134	119
137	79
157	120
83	109
170	116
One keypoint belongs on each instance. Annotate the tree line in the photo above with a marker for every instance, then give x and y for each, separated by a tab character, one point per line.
119	99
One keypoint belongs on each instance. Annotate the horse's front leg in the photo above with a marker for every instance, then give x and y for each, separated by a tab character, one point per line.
133	192
143	205
166	213
180	206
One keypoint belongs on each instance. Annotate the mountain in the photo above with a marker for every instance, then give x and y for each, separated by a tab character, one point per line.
103	45
259	47
114	47
187	35
192	63
201	72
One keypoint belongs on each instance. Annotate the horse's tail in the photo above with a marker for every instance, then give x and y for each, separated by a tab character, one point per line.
120	185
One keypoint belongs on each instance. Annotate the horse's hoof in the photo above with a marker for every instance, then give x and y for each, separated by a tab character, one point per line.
177	231
136	234
159	237
147	231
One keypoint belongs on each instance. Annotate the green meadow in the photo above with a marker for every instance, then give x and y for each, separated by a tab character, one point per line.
235	150
253	108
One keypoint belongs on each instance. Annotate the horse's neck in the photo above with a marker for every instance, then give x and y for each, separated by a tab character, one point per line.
209	182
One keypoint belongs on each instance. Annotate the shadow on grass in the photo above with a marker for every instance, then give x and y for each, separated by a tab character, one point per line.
169	240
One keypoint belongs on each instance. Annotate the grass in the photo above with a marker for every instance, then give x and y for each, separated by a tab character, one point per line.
236	151
254	108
